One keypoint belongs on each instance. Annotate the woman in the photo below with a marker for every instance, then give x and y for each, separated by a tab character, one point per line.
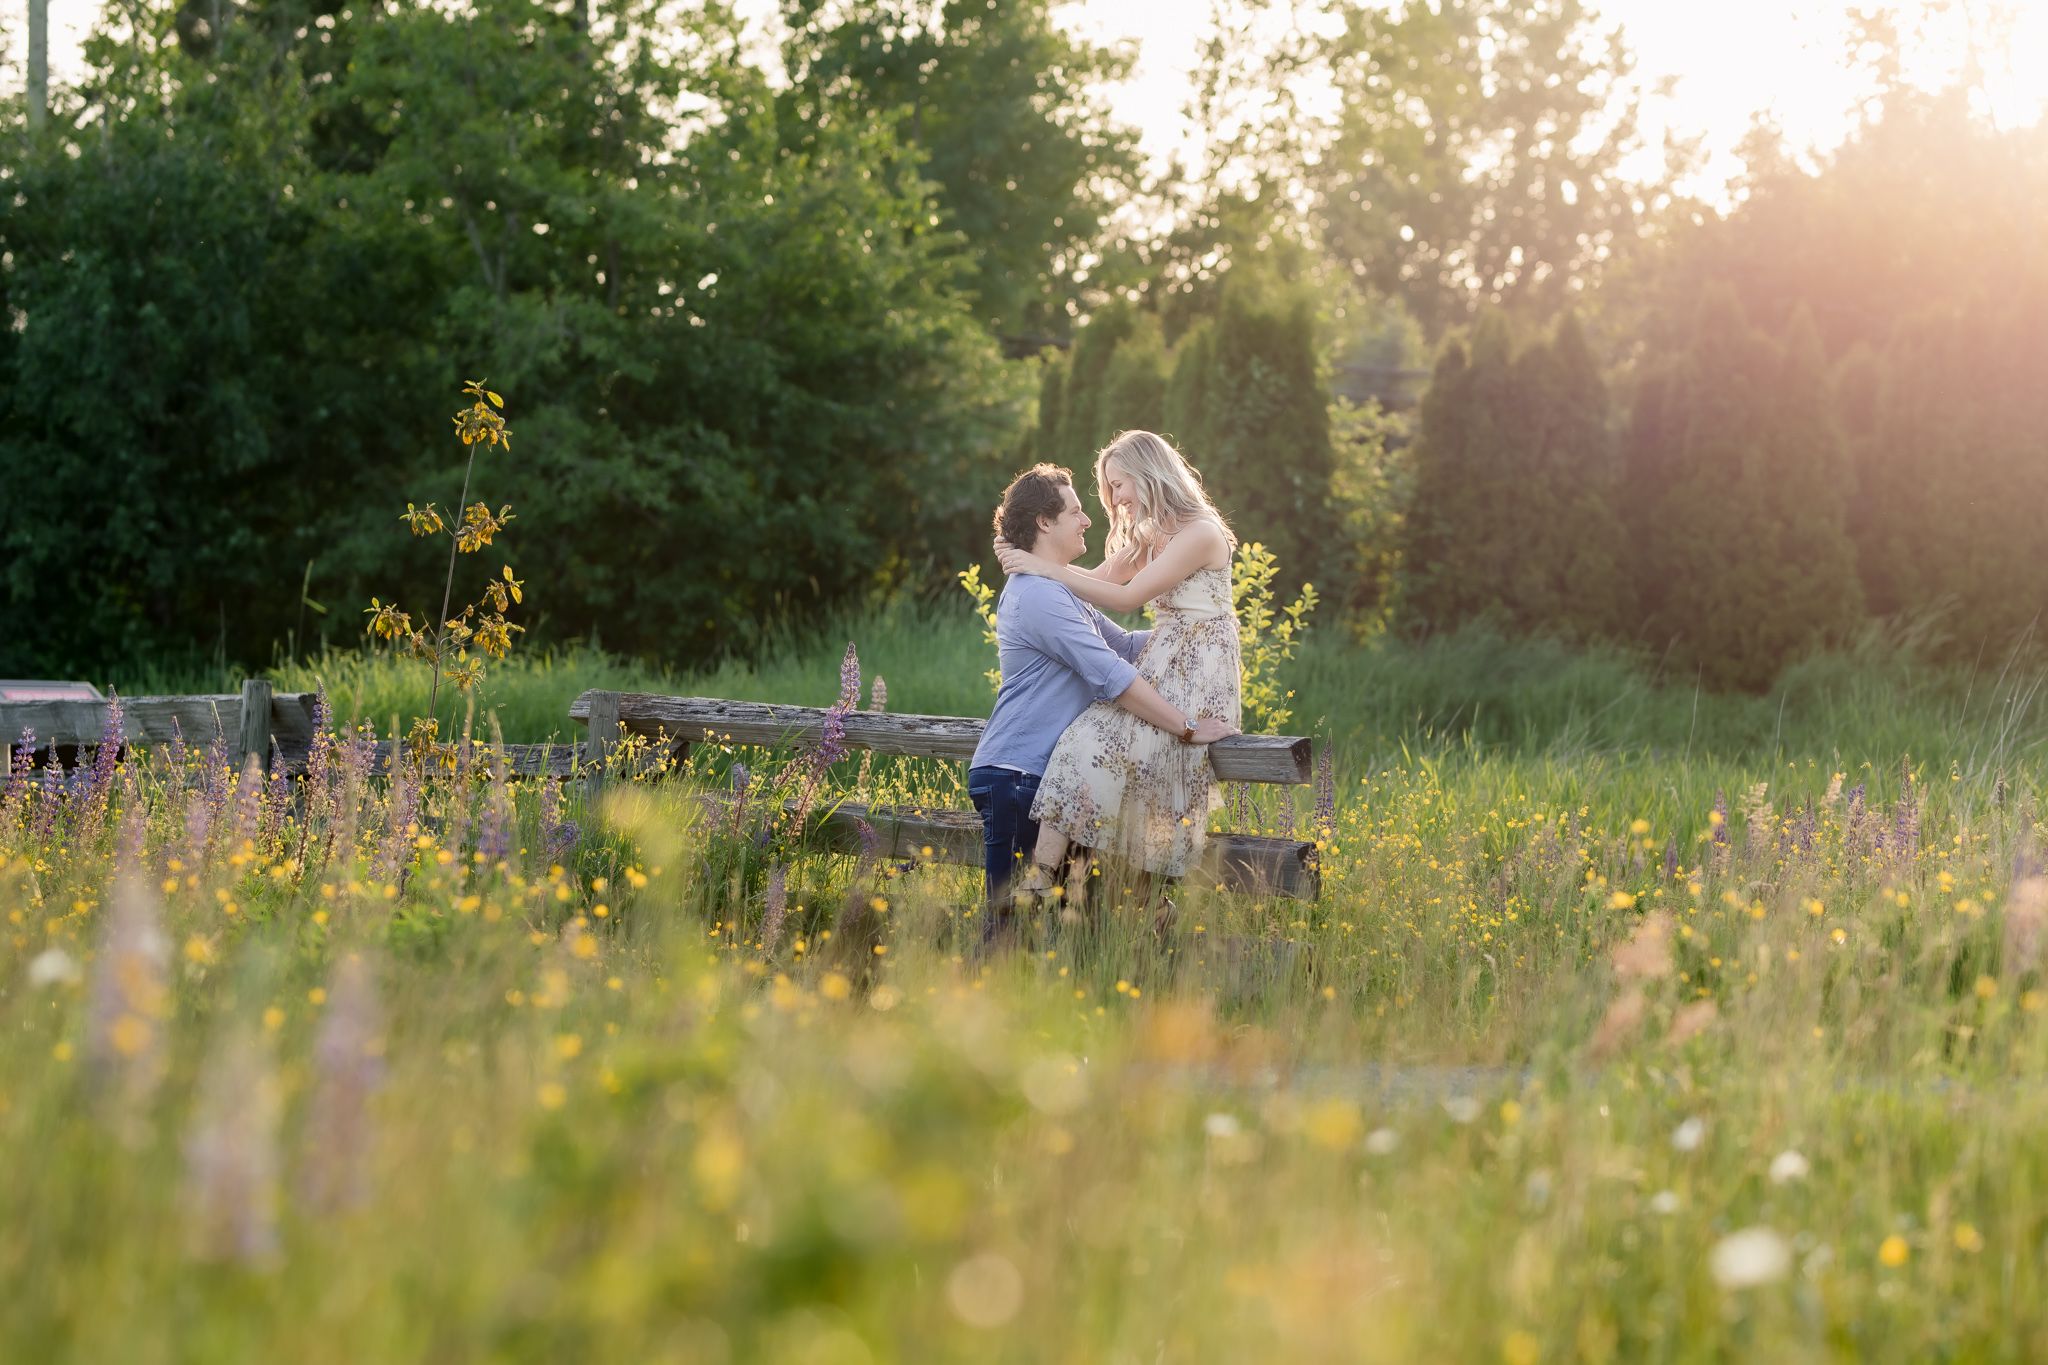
1116	784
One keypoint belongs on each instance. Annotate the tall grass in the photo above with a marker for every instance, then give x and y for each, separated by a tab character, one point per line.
1614	1035
1507	1091
1890	695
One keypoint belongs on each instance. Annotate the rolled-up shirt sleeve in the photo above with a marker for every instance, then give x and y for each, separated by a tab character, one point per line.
1127	643
1064	628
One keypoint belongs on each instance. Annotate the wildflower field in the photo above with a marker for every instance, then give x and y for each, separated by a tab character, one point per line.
1629	1025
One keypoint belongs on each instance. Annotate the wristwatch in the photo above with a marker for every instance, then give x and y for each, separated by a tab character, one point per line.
1187	734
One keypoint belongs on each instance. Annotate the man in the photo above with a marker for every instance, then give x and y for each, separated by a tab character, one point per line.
1058	655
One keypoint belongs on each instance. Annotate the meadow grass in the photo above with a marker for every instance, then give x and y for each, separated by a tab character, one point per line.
1515	1087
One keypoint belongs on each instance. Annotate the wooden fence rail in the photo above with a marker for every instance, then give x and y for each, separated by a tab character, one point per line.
256	716
1241	758
250	720
1257	864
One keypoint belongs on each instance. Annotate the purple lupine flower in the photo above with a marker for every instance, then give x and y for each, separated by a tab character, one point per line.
494	842
1721	825
219	777
198	823
49	799
558	834
1906	838
130	995
878	695
1286	813
405	814
99	787
849	680
277	798
1670	859
231	1154
249	807
20	779
104	758
180	756
348	1067
134	837
778	894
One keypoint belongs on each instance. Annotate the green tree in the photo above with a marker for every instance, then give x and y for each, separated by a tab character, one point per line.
1248	408
1003	110
1115	381
751	383
1739	490
1513	515
1946	427
1477	158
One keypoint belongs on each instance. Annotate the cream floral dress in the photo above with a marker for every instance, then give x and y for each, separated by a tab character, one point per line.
1121	785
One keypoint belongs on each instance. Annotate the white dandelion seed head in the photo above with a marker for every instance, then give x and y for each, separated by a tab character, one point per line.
1753	1256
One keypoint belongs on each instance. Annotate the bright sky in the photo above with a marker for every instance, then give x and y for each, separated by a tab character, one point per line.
1733	58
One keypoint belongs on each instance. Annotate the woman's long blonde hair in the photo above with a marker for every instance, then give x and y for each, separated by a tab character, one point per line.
1166	488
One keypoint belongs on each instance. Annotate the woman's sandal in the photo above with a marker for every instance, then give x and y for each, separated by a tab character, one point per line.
1033	888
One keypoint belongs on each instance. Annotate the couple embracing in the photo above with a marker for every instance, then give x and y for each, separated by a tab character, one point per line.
1096	759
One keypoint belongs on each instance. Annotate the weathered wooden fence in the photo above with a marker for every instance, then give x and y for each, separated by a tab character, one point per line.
257	716
1239	862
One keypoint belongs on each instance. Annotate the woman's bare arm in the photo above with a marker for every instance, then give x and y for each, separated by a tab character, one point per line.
1201	545
1118	568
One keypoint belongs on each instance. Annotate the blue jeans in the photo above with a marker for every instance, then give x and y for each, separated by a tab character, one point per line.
1003	796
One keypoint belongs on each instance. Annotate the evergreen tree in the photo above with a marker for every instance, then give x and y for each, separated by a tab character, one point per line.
1741	489
1115	381
1247	408
1947	428
1513	517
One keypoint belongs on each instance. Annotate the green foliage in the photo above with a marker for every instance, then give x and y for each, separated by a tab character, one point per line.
1265	640
1478	155
1004	111
759	388
985	612
1371	485
1739	488
1512	517
1946	430
1248	408
1924	208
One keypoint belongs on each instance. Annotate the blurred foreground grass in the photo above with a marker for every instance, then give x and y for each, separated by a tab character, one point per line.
1599	1046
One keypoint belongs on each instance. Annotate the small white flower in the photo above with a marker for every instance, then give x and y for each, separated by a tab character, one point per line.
1221	1126
51	967
1789	1165
1750	1257
1382	1141
1462	1108
1664	1202
1688	1135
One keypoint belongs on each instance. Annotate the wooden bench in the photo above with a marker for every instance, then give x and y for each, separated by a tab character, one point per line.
1251	863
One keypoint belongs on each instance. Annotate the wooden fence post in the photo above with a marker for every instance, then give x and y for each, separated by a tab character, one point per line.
255	724
604	735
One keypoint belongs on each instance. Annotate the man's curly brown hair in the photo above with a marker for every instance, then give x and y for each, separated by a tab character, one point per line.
1033	494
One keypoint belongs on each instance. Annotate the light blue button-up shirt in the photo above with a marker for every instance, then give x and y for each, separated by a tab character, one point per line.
1058	654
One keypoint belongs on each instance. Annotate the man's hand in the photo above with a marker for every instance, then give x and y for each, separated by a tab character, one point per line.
1209	729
